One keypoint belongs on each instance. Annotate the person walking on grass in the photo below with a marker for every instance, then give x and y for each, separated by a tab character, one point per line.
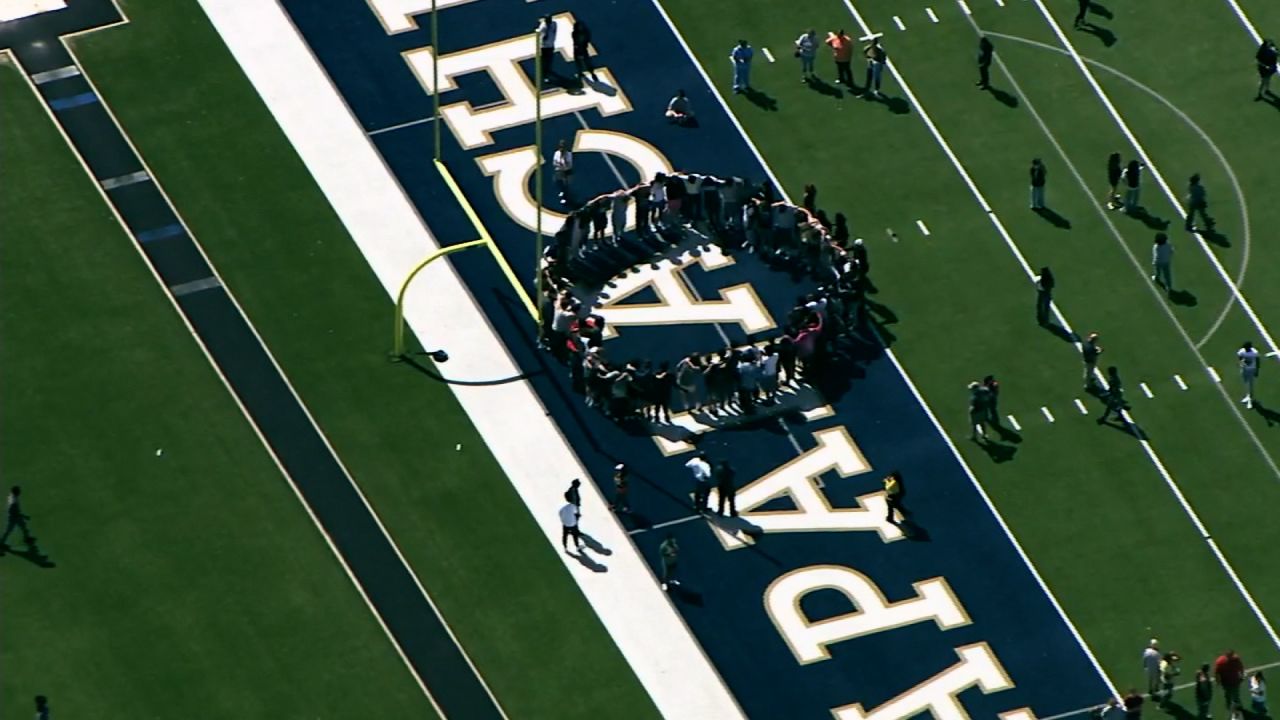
876	57
741	56
842	53
1229	670
1082	10
1266	57
806	49
993	399
1133	186
15	519
1115	171
1037	184
1151	667
1204	691
1162	262
986	51
1197	202
669	552
1044	295
1169	671
1113	400
1247	356
895	492
1089	352
569	526
978	403
726	489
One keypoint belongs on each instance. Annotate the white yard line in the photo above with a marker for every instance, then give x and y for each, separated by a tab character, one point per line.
767	55
384	224
932	15
1244	20
1014	422
1181	383
1214	374
1143	442
1047	415
898	21
1146	390
1080	406
965	7
923	228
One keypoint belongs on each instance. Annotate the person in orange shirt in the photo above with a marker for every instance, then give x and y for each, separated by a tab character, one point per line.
842	51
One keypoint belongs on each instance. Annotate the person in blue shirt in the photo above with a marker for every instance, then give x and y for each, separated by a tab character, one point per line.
741	58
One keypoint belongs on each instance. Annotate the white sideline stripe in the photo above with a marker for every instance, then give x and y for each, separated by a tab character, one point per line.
1084	711
49	76
1047	415
1000	3
1014	422
410	123
768	55
1155	173
923	228
1080	406
1178	379
386	227
898	21
1248	24
955	452
932	15
123	180
195	286
1214	374
964	7
666	524
1146	390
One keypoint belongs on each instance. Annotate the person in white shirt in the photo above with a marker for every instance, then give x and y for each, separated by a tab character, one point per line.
679	111
806	48
1162	262
658	199
1258	694
547	46
1151	666
562	164
569	522
701	470
618	214
1248	358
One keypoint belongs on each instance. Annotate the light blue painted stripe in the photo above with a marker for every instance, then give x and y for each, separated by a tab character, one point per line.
61	73
67	103
122	180
160	233
195	286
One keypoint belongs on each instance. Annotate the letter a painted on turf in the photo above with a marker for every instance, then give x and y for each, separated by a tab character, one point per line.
978	666
872	613
798	479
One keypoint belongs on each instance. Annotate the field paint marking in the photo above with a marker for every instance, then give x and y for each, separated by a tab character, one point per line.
1014	422
1214	374
1244	20
1000	3
1047	415
399	126
1155	173
666	524
1146	390
932	15
1146	445
195	286
768	55
1181	384
1082	408
49	76
964	7
123	180
160	233
1110	222
74	101
898	21
923	228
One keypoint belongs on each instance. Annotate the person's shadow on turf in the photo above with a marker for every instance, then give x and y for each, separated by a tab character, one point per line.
31	554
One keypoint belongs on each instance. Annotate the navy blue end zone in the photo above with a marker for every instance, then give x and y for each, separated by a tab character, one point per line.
724	603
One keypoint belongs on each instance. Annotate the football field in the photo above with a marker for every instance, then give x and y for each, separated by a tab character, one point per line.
243	509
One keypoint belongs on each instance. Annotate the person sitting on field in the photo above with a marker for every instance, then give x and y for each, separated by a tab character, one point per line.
679	110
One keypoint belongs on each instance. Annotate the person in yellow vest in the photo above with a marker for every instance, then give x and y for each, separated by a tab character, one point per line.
1169	672
894	492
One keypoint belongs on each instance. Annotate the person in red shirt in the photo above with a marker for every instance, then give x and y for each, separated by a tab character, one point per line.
1229	670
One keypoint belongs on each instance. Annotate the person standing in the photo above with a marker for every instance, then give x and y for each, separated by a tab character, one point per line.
978	404
809	200
669	551
42	707
1204	691
986	51
1133	705
1266	57
741	56
726	488
1258	694
894	494
582	50
16	519
1037	184
1169	671
1113	400
701	471
1162	262
618	215
1081	12
562	164
1089	352
806	49
1248	359
876	57
621	489
1044	295
569	526
1133	186
1197	202
842	53
1114	172
1151	667
547	46
1229	669
993	399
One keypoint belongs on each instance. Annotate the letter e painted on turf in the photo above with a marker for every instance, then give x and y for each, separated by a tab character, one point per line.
978	666
872	613
797	479
474	127
396	16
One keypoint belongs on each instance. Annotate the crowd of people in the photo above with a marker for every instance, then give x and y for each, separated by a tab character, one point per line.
1162	669
672	210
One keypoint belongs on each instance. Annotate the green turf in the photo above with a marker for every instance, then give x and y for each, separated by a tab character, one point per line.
321	311
190	584
1119	553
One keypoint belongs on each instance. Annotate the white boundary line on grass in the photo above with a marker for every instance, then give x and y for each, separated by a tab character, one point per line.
1143	442
1246	22
441	311
955	452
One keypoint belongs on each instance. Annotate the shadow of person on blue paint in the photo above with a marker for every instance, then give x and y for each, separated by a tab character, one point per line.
594	545
1053	218
736	525
682	594
760	99
823	87
1183	297
600	86
913	531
